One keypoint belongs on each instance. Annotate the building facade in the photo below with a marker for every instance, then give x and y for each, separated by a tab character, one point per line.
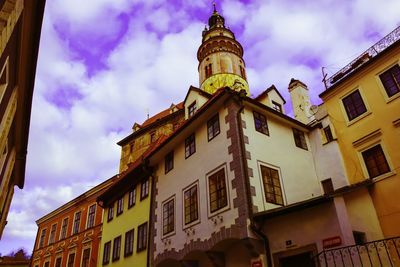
20	27
363	103
70	235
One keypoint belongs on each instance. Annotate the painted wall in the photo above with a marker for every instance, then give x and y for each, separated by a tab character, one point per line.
194	96
130	219
381	115
278	150
209	156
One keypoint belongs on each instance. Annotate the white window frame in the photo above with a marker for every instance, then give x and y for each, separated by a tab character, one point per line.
185	226
162	217
66	230
380	84
228	190
94	216
264	201
55	234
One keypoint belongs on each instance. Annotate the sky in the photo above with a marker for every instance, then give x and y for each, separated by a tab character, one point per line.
105	64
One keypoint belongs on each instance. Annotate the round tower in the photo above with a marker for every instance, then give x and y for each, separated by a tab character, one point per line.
220	58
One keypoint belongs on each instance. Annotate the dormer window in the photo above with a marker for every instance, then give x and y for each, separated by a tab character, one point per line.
208	70
277	106
192	109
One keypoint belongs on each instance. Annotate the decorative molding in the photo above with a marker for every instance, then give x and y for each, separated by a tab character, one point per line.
367	138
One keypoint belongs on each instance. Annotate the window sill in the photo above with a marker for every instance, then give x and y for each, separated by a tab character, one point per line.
393	97
365	114
191	224
219	211
383	176
168	235
328	142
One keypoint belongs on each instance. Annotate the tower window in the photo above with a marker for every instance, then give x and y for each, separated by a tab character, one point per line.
242	72
208	70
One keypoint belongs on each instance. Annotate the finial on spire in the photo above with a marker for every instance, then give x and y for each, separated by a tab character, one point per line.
215	8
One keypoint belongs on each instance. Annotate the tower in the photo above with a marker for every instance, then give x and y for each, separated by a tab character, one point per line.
220	58
300	101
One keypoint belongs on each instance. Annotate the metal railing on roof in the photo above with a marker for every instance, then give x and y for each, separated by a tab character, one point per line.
367	55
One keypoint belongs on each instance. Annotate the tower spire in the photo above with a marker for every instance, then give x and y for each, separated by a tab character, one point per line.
215	8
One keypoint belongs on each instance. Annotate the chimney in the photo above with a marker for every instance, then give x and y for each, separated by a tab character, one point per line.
300	101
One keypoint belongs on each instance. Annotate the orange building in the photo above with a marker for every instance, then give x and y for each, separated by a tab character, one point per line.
70	235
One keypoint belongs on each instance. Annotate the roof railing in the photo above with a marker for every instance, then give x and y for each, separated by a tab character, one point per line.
367	55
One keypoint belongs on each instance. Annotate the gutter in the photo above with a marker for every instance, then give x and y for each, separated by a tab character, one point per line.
253	225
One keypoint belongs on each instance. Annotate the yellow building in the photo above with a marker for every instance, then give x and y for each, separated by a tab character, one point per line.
127	203
363	103
20	27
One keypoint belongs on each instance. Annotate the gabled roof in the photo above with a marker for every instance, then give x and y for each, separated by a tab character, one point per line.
265	93
198	90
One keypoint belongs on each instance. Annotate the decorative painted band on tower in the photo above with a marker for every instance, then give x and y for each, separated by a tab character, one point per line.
221	58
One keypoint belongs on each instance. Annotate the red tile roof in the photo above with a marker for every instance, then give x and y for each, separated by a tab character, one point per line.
160	115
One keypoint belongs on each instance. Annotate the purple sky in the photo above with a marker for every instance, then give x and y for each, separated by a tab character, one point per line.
103	64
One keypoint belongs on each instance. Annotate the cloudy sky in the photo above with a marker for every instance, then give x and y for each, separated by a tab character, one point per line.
105	64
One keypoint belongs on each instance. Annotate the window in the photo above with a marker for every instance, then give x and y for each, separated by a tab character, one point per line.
190	146
260	123
272	186
277	106
142	237
217	191
328	134
208	70
71	260
213	127
106	252
375	161
86	257
129	242
91	216
391	80
120	206
47	264
52	234
116	248
299	138
168	217
169	161
77	222
192	109
132	198
58	262
153	137
354	105
131	147
64	228
42	236
242	72
359	237
3	79
144	189
191	205
110	214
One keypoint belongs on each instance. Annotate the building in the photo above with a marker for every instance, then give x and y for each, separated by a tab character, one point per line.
70	235
126	224
20	27
363	103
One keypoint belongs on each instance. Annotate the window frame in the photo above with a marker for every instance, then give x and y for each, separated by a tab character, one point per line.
131	247
4	71
196	220
169	162
144	188
83	256
55	262
69	262
300	139
120	206
328	134
79	223
265	191
351	120
106	253
110	212
386	161
213	212
62	228
91	217
190	145
42	238
397	82
276	106
132	197
212	124
142	237
164	218
192	108
116	250
260	123
52	234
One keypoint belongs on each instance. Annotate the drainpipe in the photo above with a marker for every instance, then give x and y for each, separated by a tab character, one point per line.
253	225
148	172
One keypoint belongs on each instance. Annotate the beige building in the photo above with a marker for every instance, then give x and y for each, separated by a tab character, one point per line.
20	27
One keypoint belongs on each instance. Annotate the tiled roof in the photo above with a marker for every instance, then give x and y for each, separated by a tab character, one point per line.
160	115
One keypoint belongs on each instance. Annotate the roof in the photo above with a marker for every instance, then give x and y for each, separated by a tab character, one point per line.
272	87
366	58
198	90
153	121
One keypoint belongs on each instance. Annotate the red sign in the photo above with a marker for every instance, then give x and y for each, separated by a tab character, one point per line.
257	263
332	242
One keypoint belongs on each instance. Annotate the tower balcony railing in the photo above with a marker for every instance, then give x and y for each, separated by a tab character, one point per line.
378	253
367	55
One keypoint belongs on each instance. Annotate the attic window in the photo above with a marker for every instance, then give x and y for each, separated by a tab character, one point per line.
153	137
277	106
192	109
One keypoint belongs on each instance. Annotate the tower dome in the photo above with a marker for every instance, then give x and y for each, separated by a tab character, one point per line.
220	57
